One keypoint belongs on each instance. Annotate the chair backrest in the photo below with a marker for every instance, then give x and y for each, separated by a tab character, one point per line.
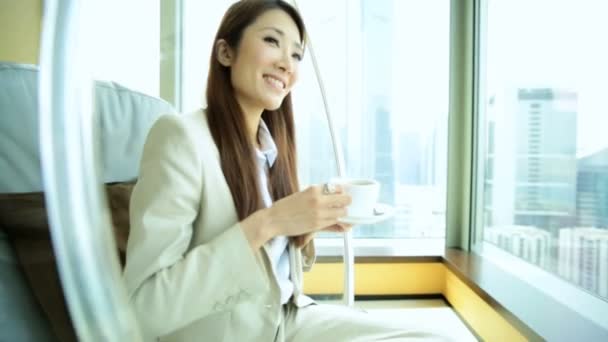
32	306
124	117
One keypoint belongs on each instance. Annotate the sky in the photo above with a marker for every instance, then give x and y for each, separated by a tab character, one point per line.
556	44
120	42
530	43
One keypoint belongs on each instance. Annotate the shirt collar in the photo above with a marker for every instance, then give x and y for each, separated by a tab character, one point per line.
268	149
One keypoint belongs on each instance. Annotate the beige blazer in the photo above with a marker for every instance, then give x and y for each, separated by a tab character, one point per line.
190	272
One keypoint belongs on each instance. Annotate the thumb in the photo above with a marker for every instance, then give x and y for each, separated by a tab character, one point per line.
303	240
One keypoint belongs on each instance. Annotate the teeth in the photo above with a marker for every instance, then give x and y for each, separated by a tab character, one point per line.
275	82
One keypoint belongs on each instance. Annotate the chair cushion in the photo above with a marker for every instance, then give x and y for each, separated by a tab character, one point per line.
122	119
21	318
122	116
23	215
37	261
24	219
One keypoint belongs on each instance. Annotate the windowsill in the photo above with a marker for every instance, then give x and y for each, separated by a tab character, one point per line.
540	305
332	249
526	296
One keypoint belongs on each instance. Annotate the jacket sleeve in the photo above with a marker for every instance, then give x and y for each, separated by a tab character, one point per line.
168	285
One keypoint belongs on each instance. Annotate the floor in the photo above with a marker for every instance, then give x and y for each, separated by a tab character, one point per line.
431	314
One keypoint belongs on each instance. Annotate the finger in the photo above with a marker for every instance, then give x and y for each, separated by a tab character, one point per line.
336	200
345	226
335	188
326	223
333	214
339	228
308	238
338	189
315	190
299	240
336	228
303	240
320	189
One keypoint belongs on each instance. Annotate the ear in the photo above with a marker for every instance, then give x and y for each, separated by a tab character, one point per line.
225	55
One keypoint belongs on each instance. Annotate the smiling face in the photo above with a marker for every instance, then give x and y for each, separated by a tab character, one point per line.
264	66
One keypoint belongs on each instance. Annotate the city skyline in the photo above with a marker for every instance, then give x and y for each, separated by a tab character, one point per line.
532	159
570	57
541	202
579	255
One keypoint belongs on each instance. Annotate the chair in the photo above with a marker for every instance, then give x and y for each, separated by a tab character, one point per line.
32	306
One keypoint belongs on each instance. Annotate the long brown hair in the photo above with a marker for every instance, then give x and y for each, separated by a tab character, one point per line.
227	121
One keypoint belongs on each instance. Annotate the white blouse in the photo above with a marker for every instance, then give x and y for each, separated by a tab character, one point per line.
276	247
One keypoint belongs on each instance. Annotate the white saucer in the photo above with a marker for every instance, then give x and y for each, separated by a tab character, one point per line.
385	212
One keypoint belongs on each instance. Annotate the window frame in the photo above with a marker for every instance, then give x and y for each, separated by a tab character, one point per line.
556	295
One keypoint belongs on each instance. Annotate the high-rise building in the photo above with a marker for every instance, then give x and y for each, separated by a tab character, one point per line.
422	157
592	190
532	163
410	159
529	243
315	154
377	19
583	258
385	170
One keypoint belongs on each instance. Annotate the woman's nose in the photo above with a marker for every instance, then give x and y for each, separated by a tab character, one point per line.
286	63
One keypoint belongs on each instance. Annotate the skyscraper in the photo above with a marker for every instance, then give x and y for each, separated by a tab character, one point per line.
377	27
529	243
583	258
410	162
533	162
592	190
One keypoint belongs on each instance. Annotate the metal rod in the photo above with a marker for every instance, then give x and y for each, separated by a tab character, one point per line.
349	255
79	219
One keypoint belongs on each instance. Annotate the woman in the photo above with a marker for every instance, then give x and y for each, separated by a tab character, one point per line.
220	234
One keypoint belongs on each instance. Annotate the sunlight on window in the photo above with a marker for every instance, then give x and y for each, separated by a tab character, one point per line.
384	65
123	42
385	68
546	181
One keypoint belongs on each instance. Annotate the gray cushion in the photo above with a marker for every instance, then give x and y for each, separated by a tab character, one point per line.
20	316
123	118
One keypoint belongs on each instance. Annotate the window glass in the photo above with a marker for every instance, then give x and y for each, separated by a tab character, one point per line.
123	42
385	68
384	65
200	22
545	186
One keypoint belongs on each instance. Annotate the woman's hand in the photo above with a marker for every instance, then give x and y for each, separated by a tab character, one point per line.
303	240
307	211
298	214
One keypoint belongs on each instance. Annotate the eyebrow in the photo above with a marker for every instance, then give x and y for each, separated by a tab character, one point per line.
281	33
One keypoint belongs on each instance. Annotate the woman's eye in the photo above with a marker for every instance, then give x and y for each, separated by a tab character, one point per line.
271	40
297	57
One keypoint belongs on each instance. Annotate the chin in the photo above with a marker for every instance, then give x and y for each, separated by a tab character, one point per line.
273	108
273	105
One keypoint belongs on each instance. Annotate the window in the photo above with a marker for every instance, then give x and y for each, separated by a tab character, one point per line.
119	50
385	70
200	22
546	152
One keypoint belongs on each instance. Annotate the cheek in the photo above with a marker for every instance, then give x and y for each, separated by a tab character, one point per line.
261	55
295	77
236	78
243	74
265	58
242	84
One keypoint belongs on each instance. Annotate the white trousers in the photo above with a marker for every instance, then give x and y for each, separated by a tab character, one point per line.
335	323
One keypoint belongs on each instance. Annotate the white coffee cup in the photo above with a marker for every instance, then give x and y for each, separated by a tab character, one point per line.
364	193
